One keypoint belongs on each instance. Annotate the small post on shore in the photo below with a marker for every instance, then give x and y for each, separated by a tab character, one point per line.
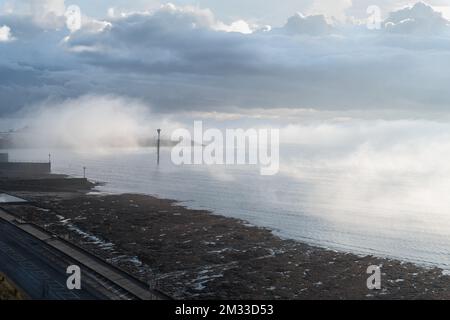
49	158
159	143
84	172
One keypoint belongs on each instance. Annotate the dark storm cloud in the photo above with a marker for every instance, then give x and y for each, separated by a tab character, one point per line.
183	59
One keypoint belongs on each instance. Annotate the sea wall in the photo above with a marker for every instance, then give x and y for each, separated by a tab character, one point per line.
27	168
4	157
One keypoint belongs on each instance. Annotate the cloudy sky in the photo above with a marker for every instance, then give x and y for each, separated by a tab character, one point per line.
228	56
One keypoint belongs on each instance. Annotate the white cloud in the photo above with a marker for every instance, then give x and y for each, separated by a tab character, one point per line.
36	7
45	13
444	9
298	24
56	7
336	8
240	26
5	34
420	18
202	18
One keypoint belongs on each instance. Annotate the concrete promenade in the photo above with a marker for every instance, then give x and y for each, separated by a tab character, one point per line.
37	261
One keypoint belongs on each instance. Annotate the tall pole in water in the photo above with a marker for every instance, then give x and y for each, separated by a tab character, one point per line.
159	143
84	172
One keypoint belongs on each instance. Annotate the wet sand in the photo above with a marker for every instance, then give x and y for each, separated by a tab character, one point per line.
194	254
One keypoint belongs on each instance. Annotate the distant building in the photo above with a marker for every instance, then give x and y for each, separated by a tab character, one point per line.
22	168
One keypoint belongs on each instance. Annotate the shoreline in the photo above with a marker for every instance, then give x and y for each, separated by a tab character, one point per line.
197	254
362	252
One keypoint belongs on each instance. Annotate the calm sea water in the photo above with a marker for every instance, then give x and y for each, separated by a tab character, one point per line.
351	208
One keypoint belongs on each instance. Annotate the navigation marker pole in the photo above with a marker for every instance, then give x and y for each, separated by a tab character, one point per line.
159	143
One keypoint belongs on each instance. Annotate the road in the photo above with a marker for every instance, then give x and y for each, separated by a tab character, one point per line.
40	270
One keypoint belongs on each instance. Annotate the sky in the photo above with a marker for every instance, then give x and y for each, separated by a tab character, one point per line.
227	57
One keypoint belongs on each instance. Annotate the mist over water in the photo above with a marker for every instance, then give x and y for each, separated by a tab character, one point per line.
368	186
93	123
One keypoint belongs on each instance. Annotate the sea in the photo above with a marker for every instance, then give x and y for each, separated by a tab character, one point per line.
395	210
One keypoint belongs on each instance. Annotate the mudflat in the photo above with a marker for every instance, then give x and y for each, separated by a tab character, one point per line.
195	254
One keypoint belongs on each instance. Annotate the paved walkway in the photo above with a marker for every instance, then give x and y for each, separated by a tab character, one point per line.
37	261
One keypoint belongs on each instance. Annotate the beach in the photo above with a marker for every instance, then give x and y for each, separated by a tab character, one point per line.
196	254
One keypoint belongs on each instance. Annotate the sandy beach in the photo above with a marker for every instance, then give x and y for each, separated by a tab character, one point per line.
195	254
